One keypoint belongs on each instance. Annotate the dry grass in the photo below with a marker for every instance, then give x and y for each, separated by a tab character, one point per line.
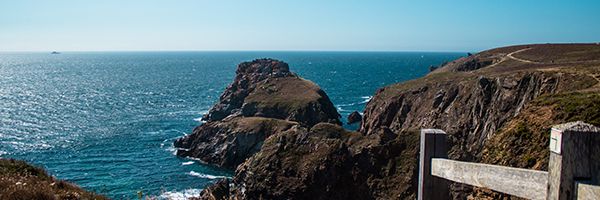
20	180
288	92
558	53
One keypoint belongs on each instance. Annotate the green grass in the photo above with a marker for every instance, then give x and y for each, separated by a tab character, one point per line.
576	106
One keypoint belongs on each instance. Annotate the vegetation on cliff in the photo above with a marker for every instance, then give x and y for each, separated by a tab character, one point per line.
21	180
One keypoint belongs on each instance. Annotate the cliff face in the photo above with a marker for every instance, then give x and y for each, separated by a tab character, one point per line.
472	109
329	162
472	105
265	98
484	103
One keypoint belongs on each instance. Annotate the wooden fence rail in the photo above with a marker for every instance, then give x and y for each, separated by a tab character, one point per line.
524	183
573	169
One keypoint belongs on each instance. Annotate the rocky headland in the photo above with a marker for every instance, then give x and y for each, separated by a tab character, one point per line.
497	107
265	98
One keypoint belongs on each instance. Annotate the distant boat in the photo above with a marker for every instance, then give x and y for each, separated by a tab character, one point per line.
54	52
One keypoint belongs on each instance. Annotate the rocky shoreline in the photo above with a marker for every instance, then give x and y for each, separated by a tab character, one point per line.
283	136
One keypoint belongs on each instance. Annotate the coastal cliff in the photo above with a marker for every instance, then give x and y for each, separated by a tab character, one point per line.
497	107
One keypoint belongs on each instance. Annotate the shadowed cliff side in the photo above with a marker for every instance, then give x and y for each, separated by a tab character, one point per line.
329	162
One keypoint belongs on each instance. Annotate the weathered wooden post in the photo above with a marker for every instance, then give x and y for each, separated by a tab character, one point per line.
433	145
574	151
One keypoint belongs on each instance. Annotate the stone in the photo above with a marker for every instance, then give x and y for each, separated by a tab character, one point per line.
354	117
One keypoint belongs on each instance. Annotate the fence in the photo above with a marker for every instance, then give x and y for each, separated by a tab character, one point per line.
573	168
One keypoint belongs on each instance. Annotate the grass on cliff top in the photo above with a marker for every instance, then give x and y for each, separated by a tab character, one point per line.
288	92
561	53
570	107
445	78
557	52
21	180
267	125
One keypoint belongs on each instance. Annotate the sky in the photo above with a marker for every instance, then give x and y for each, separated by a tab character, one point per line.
282	25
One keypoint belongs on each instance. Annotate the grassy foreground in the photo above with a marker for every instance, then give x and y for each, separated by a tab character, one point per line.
21	180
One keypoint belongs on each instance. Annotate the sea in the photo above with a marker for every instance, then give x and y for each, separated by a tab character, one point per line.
106	121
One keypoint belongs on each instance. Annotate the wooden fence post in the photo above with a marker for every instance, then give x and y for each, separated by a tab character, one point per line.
433	145
573	156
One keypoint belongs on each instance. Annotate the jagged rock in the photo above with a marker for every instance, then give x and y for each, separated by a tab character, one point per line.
354	117
267	88
229	142
217	191
265	98
473	64
433	68
327	162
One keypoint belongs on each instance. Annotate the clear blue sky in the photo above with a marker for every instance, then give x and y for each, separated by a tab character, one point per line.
308	25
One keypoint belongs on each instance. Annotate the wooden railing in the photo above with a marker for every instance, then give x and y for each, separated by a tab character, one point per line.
573	168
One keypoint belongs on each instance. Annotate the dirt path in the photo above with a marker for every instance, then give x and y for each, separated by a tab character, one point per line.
510	55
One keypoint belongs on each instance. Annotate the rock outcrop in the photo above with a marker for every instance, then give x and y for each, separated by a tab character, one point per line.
217	191
229	142
265	98
328	162
267	88
354	117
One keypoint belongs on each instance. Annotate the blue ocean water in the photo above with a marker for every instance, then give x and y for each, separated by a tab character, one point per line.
107	120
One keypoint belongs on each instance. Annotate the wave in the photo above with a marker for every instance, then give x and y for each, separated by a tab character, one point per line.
202	113
206	176
199	119
188	163
350	104
366	99
183	195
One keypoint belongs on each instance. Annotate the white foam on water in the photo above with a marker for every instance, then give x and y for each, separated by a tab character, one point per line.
206	176
202	113
183	195
366	99
199	119
188	163
351	104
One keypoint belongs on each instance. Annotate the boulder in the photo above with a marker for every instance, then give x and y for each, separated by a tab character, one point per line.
229	142
354	117
217	191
